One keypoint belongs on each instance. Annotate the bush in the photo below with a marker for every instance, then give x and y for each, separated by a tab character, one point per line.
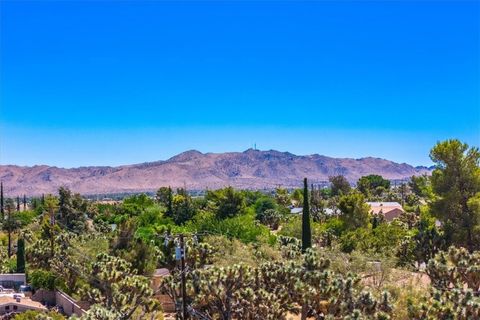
42	279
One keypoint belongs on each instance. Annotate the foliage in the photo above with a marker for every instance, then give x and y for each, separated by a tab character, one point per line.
271	218
72	210
422	243
455	277
21	255
243	227
281	197
227	202
421	186
43	279
456	182
118	288
182	208
339	185
38	315
373	185
355	212
375	240
306	229
272	289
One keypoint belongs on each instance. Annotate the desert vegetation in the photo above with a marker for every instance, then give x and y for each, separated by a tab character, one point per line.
247	256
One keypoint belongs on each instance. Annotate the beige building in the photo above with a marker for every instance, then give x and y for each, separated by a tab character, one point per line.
390	210
10	304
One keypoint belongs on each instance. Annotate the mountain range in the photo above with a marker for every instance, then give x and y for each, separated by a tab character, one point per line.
252	169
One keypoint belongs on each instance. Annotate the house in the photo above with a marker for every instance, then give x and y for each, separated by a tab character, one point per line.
390	210
16	303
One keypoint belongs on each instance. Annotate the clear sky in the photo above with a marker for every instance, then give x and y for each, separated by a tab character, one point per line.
108	83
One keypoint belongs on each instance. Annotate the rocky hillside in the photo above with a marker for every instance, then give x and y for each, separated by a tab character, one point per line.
195	170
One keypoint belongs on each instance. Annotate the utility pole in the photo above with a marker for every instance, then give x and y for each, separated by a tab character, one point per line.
184	287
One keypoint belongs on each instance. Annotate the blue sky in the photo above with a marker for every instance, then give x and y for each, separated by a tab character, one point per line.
108	83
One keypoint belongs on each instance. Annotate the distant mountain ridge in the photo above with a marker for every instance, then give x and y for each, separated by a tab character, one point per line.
251	169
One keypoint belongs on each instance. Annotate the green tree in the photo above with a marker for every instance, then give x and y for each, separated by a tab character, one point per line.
72	210
421	186
339	185
20	255
2	205
306	229
227	202
182	208
373	185
263	204
456	182
164	196
355	212
10	224
297	196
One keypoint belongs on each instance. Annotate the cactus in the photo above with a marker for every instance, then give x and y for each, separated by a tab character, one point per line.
455	276
273	289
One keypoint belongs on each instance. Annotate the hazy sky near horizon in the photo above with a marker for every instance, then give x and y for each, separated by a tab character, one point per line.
118	82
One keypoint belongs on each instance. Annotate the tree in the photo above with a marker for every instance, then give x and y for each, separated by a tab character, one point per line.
11	224
339	185
227	202
282	198
355	212
182	208
456	183
164	196
24	202
2	208
423	244
372	185
263	204
421	186
18	203
20	255
72	210
317	204
297	196
50	228
306	230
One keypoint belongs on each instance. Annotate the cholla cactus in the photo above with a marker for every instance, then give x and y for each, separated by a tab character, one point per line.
455	277
118	288
273	289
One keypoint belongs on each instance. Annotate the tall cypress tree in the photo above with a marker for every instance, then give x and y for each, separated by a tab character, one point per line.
18	203
2	210
24	202
20	255
306	231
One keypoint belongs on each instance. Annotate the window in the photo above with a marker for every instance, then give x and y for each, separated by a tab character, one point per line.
15	307
7	308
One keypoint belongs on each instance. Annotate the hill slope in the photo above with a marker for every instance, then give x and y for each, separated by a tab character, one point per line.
196	170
